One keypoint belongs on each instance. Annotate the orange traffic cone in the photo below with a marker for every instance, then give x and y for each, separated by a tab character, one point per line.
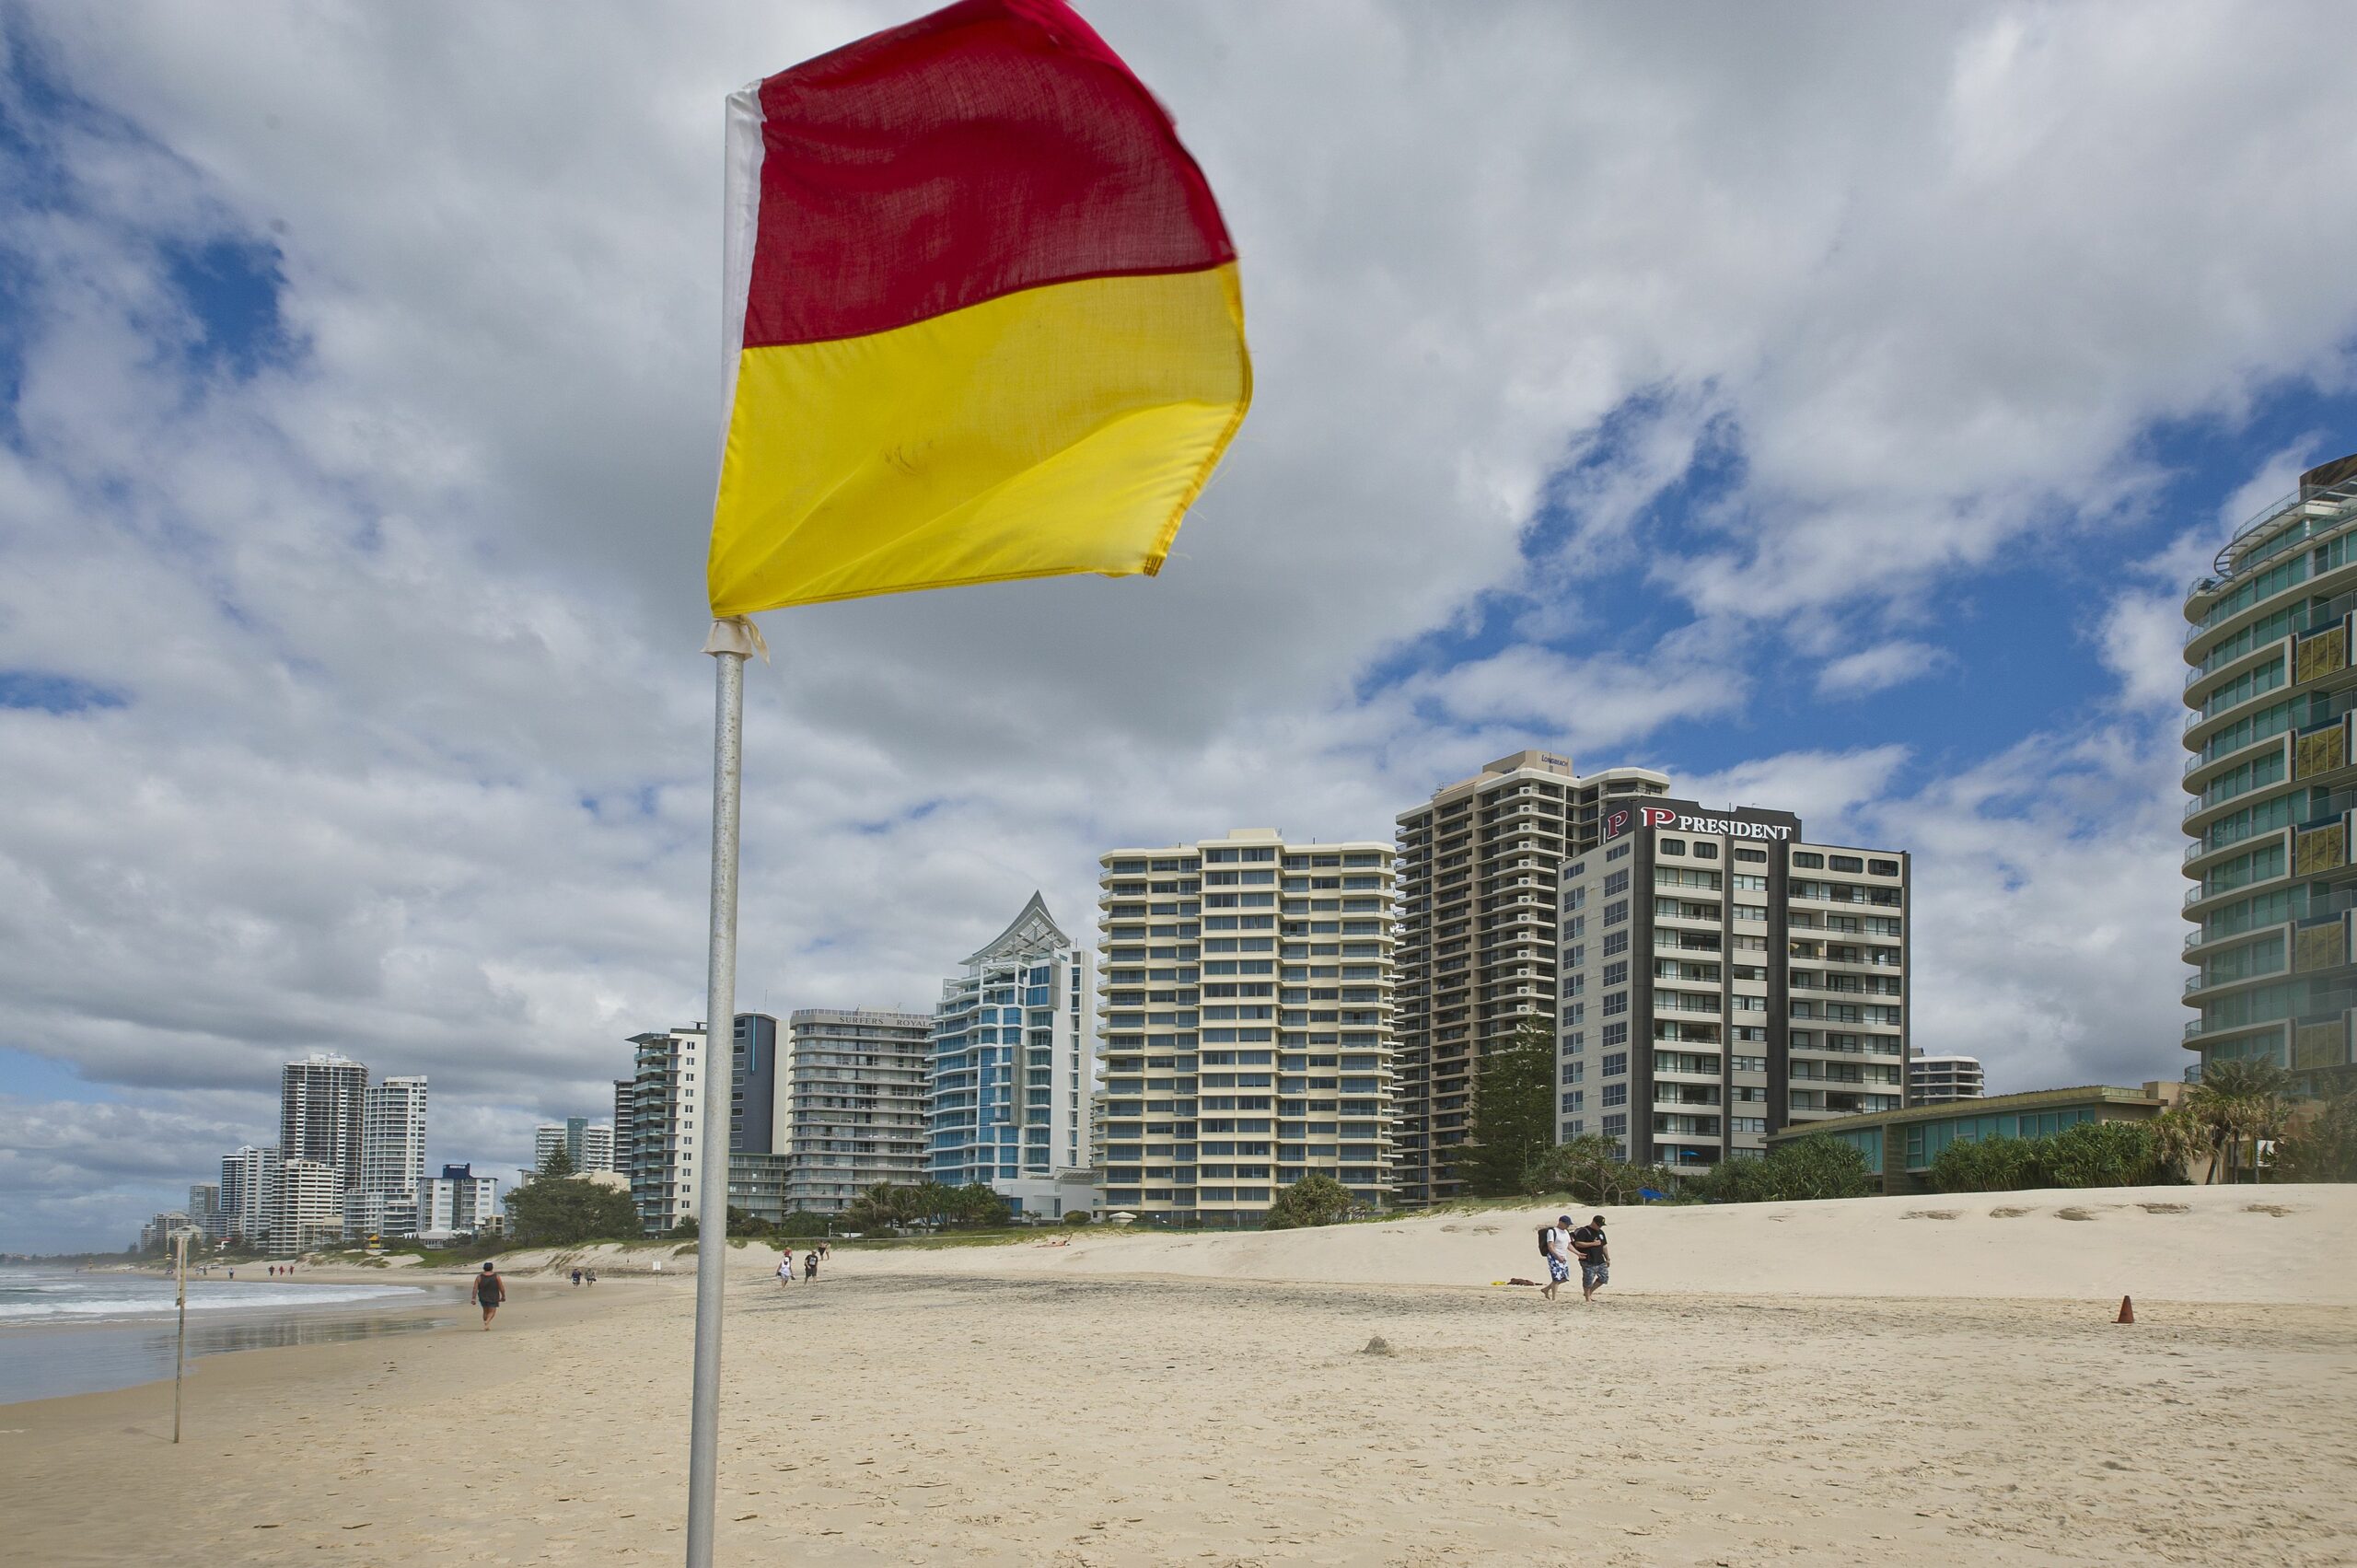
2127	1311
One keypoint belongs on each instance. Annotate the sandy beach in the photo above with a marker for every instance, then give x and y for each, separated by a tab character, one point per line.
1834	1396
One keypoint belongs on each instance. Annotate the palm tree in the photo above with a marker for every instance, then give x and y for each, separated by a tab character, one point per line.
2237	1101
2180	1137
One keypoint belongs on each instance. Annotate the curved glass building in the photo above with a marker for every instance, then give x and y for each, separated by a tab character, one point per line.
2273	777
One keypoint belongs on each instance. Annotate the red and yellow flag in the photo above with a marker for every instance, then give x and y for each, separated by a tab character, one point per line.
990	320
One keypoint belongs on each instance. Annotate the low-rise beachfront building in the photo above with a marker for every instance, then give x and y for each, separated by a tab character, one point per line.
1246	999
1931	1080
1900	1145
1013	1068
458	1203
853	1097
1723	979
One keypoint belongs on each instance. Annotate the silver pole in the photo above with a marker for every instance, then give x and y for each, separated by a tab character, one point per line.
179	1350
711	1099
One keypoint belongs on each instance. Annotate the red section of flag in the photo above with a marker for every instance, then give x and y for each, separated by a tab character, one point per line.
991	147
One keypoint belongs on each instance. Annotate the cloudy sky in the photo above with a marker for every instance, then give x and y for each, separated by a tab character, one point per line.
1825	405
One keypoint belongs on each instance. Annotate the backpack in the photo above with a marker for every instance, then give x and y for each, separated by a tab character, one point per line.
1545	1250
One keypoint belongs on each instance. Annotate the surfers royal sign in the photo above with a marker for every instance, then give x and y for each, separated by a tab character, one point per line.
1682	817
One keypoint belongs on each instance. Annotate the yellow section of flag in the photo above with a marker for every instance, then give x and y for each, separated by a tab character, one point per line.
1059	429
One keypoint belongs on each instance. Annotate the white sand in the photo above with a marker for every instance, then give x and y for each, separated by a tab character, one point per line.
1972	1400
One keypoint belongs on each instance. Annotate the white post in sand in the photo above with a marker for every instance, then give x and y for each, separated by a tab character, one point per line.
180	1349
731	641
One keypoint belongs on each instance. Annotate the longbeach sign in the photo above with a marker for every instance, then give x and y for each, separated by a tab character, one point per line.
1672	819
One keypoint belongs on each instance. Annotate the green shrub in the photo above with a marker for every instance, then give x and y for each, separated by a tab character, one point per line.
1078	1216
1818	1167
2100	1153
1989	1165
1317	1199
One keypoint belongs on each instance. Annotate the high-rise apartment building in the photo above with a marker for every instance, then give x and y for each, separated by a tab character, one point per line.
2273	777
625	1132
1478	865
320	1113
310	1206
250	1194
205	1209
1247	1000
392	1159
589	1146
1013	1067
664	1148
855	1102
1722	979
657	1107
1934	1080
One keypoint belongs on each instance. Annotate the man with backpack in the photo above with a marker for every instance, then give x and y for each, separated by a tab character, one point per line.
1554	1245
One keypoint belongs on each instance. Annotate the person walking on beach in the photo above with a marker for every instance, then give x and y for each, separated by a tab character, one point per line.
593	1276
1554	1245
489	1291
810	1268
1596	1256
826	1253
785	1270
577	1279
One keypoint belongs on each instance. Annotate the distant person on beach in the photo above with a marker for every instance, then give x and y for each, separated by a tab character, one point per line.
1596	1257
785	1270
809	1267
577	1279
489	1291
1555	1247
825	1252
593	1276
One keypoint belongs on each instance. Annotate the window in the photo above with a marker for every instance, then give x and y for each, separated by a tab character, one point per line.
1617	974
1614	913
1747	882
1575	898
1616	882
1576	957
1615	1065
1574	1099
1575	927
1616	1034
1615	942
1847	863
1575	984
1673	846
1575	1072
1751	912
1574	869
1751	856
1883	867
1616	1126
1616	1002
1618	852
1748	1123
1575	1013
1751	1064
1706	851
1806	861
1614	1094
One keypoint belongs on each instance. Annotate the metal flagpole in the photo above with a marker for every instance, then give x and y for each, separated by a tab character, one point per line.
180	1351
731	641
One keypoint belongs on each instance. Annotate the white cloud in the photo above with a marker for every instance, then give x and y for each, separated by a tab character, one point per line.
1877	668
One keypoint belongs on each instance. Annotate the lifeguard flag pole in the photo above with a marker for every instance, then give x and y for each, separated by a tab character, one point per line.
982	323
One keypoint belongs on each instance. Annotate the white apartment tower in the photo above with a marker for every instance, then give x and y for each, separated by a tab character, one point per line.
1247	1000
310	1206
1014	1066
1723	979
392	1160
250	1194
853	1097
320	1113
663	1159
588	1144
1478	867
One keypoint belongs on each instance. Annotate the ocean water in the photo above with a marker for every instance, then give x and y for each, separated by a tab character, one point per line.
67	1332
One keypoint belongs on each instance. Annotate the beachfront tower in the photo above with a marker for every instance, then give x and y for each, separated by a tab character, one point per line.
320	1113
1935	1080
392	1160
1723	979
1014	1064
1478	865
854	1104
2272	778
1246	992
